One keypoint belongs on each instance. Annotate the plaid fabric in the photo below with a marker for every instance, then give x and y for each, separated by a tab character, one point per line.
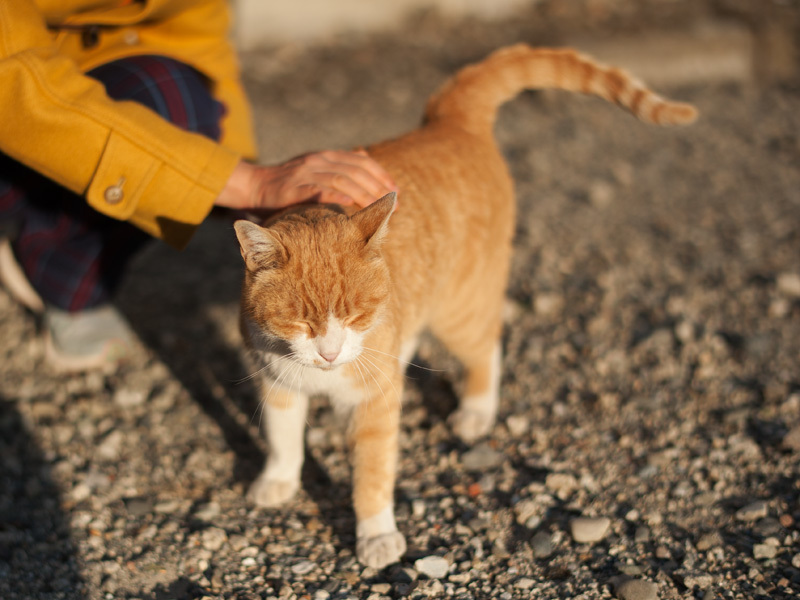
74	256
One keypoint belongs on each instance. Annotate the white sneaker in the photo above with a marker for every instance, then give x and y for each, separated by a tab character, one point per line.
95	338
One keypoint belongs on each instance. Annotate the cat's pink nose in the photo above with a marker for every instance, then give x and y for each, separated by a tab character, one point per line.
329	355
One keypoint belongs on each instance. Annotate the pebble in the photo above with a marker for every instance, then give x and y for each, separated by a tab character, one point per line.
695	579
563	484
130	398
303	567
753	511
111	447
481	458
548	304
636	589
213	538
764	551
542	545
432	567
791	441
708	541
208	512
796	561
589	529
138	507
789	284
524	583
518	425
642	534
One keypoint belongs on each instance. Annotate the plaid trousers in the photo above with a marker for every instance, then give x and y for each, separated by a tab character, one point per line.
73	255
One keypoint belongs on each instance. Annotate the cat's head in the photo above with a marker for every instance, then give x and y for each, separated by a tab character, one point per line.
316	282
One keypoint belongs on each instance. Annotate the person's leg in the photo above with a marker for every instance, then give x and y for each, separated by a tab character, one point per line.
73	256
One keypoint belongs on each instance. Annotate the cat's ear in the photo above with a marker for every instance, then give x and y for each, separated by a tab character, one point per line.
260	249
373	220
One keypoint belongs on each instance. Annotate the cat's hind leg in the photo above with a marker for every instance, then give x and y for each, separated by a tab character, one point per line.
477	409
284	420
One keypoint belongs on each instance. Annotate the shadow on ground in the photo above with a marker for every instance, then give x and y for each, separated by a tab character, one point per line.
38	558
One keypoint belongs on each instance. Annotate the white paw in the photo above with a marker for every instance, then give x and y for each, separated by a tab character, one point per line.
470	425
381	550
270	492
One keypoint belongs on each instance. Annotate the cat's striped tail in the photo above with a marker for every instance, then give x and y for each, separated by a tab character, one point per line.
474	94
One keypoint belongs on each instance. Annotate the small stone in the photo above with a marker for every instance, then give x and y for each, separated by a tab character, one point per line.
524	583
128	398
213	538
403	575
641	535
111	447
381	588
562	484
208	512
753	511
432	567
525	510
601	193
166	507
418	508
542	545
764	551
589	529
303	567
695	579
767	527
796	561
685	331
708	541
481	458
548	304
138	507
636	589
791	441
789	284
663	553
518	425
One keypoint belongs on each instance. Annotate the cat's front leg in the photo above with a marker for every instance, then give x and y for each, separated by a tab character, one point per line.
373	437
284	419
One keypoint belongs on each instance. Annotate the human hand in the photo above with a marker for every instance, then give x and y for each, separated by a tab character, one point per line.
332	176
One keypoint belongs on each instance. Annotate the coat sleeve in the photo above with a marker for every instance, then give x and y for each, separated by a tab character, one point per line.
61	123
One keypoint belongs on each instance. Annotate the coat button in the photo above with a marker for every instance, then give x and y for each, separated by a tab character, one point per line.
131	37
114	193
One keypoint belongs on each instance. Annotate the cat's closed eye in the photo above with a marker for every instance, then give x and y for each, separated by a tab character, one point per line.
304	327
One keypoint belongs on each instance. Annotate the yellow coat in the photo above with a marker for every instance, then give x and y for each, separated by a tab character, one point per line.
60	122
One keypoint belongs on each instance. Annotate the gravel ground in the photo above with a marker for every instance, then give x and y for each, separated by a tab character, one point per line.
649	434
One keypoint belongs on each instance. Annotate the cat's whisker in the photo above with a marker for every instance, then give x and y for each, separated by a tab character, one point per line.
403	362
378	385
257	358
389	379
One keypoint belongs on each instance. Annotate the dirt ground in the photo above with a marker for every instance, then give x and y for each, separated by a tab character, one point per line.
651	374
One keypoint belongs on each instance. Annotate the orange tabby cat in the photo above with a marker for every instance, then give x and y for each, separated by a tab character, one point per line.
334	303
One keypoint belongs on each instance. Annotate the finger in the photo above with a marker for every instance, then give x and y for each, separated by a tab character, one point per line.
369	170
360	191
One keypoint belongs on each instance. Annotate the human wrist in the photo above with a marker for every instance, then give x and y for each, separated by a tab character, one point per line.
239	190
